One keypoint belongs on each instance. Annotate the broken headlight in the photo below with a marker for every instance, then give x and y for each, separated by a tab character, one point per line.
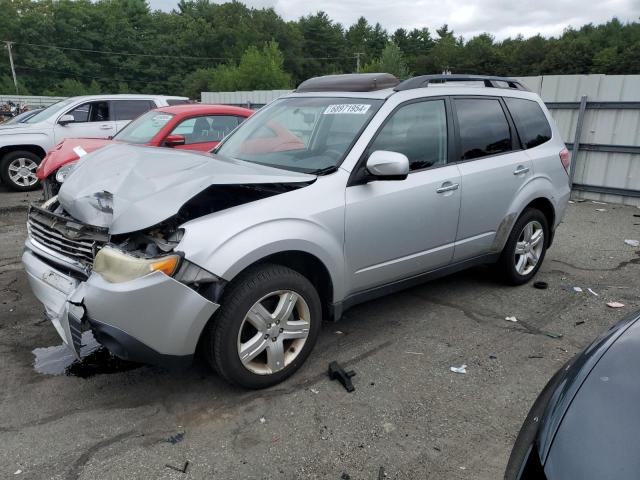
115	266
64	171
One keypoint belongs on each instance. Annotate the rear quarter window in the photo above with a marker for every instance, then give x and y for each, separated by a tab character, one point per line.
531	122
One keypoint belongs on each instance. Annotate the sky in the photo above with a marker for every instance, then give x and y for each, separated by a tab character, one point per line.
501	18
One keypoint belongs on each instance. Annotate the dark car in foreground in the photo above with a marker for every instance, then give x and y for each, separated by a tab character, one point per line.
586	422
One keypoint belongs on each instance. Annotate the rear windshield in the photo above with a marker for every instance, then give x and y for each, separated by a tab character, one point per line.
530	121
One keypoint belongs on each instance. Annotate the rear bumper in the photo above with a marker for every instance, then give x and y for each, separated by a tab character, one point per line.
152	319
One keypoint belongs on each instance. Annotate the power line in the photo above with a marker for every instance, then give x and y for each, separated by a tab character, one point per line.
151	55
126	54
75	75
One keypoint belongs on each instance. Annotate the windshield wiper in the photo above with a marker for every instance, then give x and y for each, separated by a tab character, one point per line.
325	171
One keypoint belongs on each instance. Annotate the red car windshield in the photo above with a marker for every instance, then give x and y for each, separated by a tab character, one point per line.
144	128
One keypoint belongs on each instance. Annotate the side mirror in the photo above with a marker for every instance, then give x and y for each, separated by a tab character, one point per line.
65	119
385	165
174	140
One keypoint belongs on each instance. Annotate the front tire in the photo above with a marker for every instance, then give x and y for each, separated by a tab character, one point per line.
525	249
265	328
18	170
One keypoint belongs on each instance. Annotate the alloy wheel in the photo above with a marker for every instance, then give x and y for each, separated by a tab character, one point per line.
22	172
274	332
529	247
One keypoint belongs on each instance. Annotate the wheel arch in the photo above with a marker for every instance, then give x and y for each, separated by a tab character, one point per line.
308	265
35	149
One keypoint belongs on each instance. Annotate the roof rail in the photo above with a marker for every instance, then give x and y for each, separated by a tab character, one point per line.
493	82
349	82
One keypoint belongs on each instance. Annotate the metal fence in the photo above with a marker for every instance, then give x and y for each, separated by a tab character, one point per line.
599	119
31	101
249	99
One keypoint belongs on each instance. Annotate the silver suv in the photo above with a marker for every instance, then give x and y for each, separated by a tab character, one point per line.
352	187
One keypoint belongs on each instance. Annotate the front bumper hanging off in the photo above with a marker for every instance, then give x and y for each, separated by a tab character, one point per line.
152	319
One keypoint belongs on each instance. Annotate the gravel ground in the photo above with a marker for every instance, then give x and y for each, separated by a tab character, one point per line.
409	413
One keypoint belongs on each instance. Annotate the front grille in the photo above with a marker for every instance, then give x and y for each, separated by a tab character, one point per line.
66	236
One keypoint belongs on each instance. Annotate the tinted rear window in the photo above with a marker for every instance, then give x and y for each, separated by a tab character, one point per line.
530	121
484	129
130	109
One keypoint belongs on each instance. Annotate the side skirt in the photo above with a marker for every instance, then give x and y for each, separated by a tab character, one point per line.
376	292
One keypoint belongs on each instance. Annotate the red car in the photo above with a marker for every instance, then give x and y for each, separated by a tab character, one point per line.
185	127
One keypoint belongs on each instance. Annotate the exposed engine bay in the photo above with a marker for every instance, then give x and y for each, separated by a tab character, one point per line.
52	226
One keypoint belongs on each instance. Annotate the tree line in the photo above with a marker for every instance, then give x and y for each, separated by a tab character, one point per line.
72	47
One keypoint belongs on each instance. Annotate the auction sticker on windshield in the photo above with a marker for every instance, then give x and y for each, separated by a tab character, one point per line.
349	108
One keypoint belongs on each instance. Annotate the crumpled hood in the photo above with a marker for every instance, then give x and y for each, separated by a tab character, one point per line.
128	188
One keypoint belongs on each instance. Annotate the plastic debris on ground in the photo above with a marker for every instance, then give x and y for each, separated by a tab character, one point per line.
460	369
177	438
601	209
511	319
338	332
17	472
181	470
615	304
591	291
598	203
633	243
336	372
262	420
540	285
313	390
577	289
579	322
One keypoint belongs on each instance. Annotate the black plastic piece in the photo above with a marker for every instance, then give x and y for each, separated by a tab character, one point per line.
494	82
540	285
336	372
124	346
349	82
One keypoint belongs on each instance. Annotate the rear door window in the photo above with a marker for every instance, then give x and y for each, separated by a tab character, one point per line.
484	129
130	109
531	123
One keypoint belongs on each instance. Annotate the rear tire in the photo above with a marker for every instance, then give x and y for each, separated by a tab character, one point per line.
18	170
525	249
271	317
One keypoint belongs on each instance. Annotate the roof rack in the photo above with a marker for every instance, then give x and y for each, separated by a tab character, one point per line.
350	82
493	82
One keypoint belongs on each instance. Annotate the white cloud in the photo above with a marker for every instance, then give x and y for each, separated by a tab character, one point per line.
502	18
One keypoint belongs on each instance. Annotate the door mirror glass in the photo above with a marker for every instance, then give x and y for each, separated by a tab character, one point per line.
68	118
385	165
174	140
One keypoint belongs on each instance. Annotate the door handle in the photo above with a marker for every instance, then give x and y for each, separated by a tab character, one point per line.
106	127
447	187
520	170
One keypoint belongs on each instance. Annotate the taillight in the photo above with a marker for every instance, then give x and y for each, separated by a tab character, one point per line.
565	159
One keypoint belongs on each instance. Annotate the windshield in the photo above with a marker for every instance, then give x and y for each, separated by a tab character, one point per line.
301	134
143	128
51	110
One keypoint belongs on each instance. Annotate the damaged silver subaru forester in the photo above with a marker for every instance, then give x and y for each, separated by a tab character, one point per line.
352	187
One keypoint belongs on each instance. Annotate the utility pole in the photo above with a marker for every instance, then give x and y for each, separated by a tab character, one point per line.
13	70
357	55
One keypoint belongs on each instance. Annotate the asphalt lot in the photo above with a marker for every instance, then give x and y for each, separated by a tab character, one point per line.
409	413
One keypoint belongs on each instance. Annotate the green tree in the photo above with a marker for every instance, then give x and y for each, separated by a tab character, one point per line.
391	61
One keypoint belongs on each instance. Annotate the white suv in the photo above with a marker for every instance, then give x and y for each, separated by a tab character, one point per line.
24	145
350	188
